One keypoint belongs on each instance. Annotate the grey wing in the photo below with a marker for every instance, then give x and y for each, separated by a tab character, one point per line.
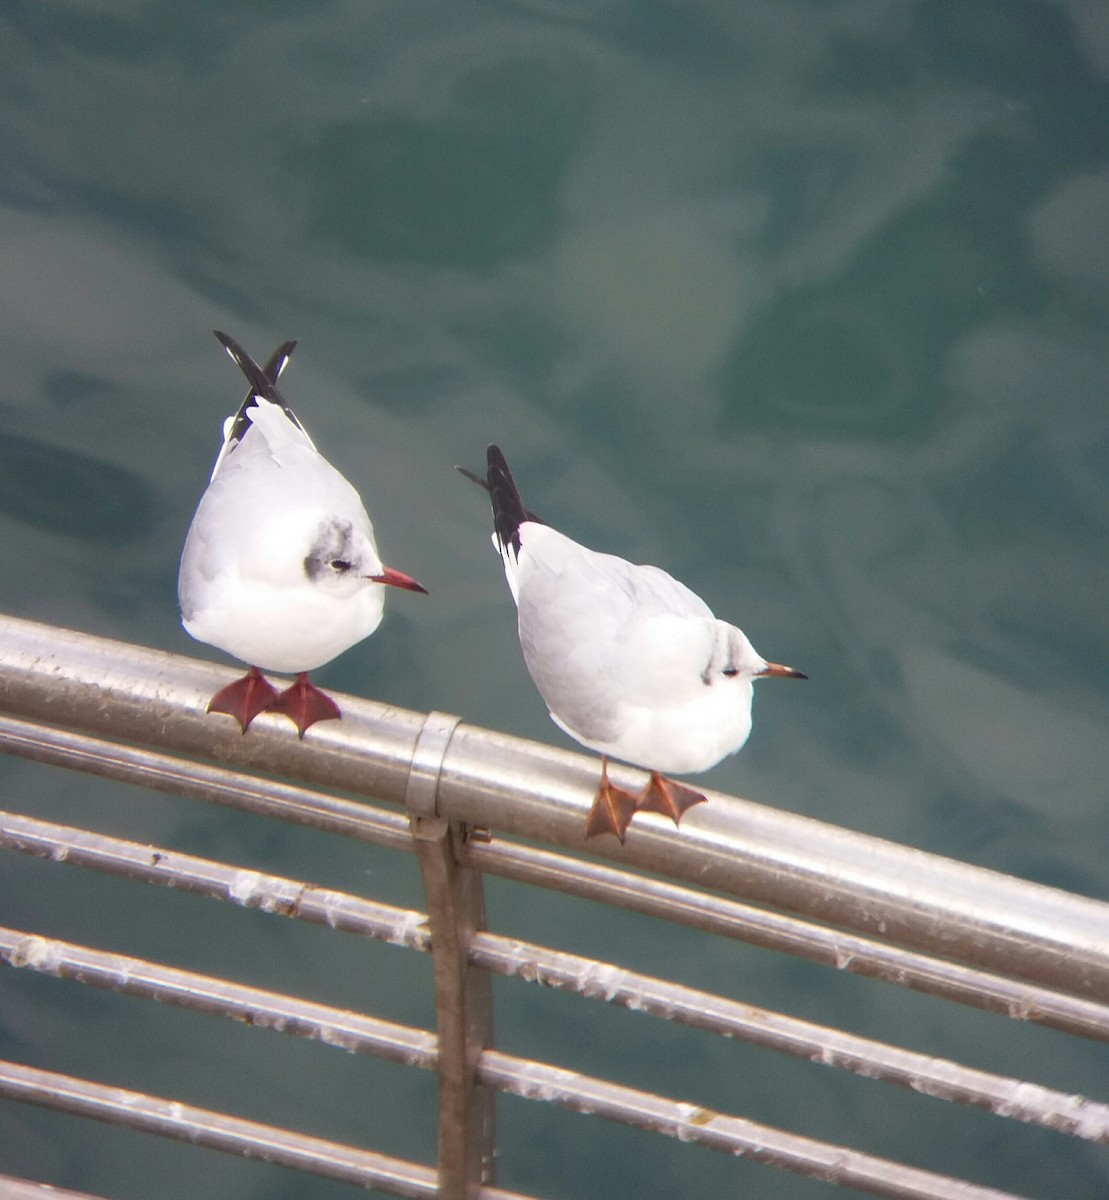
659	594
578	615
568	633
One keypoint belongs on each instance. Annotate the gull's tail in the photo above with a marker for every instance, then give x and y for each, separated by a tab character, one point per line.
263	382
508	506
509	512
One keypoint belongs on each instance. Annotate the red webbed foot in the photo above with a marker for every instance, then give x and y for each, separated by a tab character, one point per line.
245	698
304	704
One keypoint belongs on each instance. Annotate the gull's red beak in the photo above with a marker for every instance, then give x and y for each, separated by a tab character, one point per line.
782	672
398	579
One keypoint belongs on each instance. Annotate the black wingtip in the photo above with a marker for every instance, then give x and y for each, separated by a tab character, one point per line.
275	364
474	477
260	383
509	512
262	380
278	361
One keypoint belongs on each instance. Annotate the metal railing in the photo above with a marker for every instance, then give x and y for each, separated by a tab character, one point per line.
463	796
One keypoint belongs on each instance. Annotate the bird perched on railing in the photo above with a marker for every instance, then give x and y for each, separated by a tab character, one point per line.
630	662
280	568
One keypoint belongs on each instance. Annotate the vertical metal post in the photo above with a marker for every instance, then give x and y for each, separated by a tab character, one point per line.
463	993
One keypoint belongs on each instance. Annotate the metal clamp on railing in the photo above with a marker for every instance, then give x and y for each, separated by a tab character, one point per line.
421	795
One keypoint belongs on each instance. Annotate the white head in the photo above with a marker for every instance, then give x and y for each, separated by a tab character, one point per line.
733	657
338	557
330	552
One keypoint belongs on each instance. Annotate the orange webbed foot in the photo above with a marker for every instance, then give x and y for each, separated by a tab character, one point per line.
665	796
612	810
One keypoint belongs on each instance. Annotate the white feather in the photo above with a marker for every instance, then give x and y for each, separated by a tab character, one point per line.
244	583
629	661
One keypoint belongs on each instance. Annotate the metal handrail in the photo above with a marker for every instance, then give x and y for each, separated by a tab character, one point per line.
848	900
26	1189
590	880
571	1089
859	883
511	957
568	1089
218	1131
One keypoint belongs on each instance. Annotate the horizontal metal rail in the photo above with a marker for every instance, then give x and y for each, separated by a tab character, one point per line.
24	1189
216	996
579	877
866	885
791	935
506	956
732	1135
521	1077
852	902
218	1131
529	1080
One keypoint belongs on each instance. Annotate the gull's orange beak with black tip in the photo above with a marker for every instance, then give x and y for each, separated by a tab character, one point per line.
782	672
398	579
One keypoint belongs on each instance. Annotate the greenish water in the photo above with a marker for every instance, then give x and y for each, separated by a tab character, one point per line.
805	302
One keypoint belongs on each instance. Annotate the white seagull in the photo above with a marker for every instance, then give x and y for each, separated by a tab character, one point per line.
630	662
279	567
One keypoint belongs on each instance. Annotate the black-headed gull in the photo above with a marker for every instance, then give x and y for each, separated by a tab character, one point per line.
630	662
279	567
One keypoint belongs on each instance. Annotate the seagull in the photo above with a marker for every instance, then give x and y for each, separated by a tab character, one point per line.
280	568
630	662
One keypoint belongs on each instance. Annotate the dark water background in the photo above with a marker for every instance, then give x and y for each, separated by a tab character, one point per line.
804	301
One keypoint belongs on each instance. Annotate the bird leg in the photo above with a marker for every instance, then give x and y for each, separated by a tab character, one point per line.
662	795
304	704
245	698
613	808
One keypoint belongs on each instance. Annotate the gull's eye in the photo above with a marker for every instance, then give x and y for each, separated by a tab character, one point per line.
730	671
340	565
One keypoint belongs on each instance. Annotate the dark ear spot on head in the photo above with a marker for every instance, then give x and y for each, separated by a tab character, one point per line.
331	549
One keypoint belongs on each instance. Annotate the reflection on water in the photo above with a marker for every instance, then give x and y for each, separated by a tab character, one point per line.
806	303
